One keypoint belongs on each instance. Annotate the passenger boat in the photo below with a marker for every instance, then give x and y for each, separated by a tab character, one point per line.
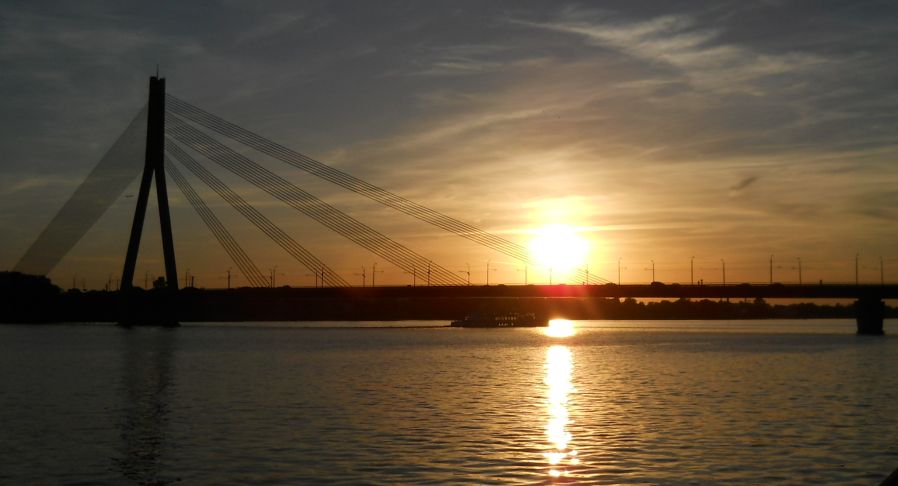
506	319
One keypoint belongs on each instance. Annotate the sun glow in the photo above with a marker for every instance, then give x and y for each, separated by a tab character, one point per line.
559	248
560	328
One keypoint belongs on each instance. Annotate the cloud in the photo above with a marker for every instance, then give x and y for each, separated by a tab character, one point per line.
38	183
744	183
690	50
879	204
270	26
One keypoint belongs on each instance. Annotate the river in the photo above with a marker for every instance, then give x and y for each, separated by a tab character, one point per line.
616	402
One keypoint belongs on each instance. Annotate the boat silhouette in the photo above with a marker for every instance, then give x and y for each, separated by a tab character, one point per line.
501	319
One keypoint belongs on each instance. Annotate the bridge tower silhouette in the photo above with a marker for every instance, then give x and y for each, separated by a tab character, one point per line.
153	169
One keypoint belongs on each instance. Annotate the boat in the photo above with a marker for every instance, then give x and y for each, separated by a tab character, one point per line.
503	319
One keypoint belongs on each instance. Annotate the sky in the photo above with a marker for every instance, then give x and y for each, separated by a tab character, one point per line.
684	134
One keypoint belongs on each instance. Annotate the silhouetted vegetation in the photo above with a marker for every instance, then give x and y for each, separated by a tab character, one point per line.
27	298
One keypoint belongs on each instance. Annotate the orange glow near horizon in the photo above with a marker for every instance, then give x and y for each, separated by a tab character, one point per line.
559	248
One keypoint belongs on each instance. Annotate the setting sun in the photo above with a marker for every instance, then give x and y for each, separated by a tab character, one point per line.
559	247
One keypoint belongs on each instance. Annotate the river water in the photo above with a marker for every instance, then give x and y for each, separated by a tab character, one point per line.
626	402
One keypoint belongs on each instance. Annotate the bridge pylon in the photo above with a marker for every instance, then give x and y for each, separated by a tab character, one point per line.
154	168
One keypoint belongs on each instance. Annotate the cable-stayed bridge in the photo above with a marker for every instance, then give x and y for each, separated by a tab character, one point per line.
181	137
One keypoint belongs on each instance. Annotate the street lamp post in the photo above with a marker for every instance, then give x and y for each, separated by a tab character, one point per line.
374	272
467	273
856	274
771	269
653	271
723	266
316	273
799	270
692	270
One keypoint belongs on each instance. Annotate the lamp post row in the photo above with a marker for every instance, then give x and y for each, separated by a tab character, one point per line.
190	279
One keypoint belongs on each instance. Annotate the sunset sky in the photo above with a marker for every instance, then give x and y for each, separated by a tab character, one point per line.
658	131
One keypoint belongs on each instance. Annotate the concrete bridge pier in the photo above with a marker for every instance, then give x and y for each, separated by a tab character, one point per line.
870	312
148	308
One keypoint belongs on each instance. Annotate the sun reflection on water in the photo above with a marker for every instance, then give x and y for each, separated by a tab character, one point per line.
559	364
560	328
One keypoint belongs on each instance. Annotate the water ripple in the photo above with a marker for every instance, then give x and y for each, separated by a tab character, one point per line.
427	406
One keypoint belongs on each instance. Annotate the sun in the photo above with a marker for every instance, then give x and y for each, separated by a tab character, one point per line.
559	247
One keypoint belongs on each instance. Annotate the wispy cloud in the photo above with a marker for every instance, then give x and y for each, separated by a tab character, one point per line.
270	26
692	51
744	183
41	183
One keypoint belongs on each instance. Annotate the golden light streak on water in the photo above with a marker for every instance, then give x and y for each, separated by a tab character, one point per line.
559	364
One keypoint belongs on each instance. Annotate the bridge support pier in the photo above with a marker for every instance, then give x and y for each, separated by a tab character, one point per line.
870	312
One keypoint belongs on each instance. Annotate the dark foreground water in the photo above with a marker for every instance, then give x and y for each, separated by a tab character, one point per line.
618	402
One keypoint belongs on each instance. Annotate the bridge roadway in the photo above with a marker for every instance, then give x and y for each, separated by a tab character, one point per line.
441	302
869	306
657	290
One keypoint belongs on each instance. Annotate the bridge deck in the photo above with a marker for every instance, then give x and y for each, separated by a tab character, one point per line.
671	291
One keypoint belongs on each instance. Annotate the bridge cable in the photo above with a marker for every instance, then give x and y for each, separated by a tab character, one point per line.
101	189
253	275
356	185
234	250
339	221
341	228
373	241
341	178
270	229
308	204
